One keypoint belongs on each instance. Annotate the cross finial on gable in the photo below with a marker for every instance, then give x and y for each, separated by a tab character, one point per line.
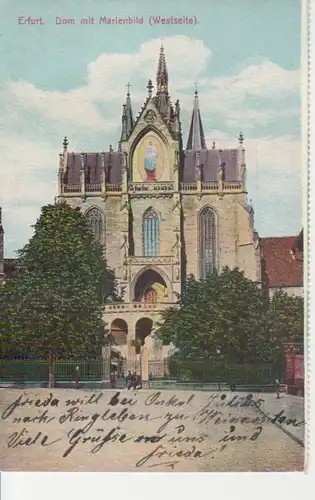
150	87
65	144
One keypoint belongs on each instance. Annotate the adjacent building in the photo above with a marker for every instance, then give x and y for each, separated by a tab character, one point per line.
282	264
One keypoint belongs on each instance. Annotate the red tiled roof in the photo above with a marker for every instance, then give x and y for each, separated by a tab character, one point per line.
298	244
279	266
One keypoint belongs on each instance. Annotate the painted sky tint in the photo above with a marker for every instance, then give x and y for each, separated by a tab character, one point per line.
71	80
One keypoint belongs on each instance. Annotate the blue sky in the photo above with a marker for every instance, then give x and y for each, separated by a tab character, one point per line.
71	80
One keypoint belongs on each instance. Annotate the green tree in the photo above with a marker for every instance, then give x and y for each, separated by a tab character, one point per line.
62	286
7	289
225	310
285	322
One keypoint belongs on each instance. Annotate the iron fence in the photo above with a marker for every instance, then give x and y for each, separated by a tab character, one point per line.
182	371
209	371
38	371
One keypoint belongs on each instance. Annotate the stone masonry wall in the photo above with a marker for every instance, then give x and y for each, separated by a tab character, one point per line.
116	221
233	229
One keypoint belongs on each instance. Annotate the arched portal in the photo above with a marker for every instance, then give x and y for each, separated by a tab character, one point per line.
119	331
144	327
150	288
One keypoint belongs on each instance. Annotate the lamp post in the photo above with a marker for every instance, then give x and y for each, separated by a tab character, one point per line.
218	353
76	377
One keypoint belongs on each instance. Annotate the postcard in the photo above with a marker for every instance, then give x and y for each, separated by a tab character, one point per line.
153	237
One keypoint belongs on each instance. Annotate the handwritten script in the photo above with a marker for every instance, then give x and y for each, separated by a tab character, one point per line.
139	430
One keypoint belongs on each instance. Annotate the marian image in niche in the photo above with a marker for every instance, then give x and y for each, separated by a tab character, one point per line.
152	241
149	158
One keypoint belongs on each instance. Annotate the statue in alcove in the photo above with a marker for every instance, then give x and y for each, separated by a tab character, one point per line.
156	292
177	247
150	162
125	245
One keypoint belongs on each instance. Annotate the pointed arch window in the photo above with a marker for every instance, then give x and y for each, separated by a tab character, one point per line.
96	224
207	242
151	233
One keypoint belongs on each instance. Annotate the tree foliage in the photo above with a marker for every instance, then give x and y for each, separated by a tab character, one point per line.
59	293
227	315
285	320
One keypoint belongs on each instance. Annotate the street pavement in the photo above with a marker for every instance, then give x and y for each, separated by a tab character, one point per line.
146	430
291	406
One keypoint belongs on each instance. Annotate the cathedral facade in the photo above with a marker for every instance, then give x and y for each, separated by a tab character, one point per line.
161	212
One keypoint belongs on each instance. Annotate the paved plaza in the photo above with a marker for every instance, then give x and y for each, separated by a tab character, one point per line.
151	431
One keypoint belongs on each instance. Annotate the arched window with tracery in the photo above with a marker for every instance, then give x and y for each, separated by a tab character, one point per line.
151	233
96	224
207	242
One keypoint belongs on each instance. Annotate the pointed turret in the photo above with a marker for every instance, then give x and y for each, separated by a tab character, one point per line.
124	124
127	119
196	138
162	99
241	158
162	74
130	120
1	228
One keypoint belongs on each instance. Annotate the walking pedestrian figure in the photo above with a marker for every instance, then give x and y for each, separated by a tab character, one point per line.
113	380
139	382
129	380
134	380
277	384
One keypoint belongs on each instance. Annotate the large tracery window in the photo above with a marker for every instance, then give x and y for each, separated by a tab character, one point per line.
151	233
96	224
207	242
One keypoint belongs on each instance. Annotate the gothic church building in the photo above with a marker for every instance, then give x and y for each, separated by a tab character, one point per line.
161	212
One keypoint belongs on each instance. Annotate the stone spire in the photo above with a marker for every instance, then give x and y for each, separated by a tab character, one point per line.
130	120
241	158
124	124
162	74
162	99
126	119
196	138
